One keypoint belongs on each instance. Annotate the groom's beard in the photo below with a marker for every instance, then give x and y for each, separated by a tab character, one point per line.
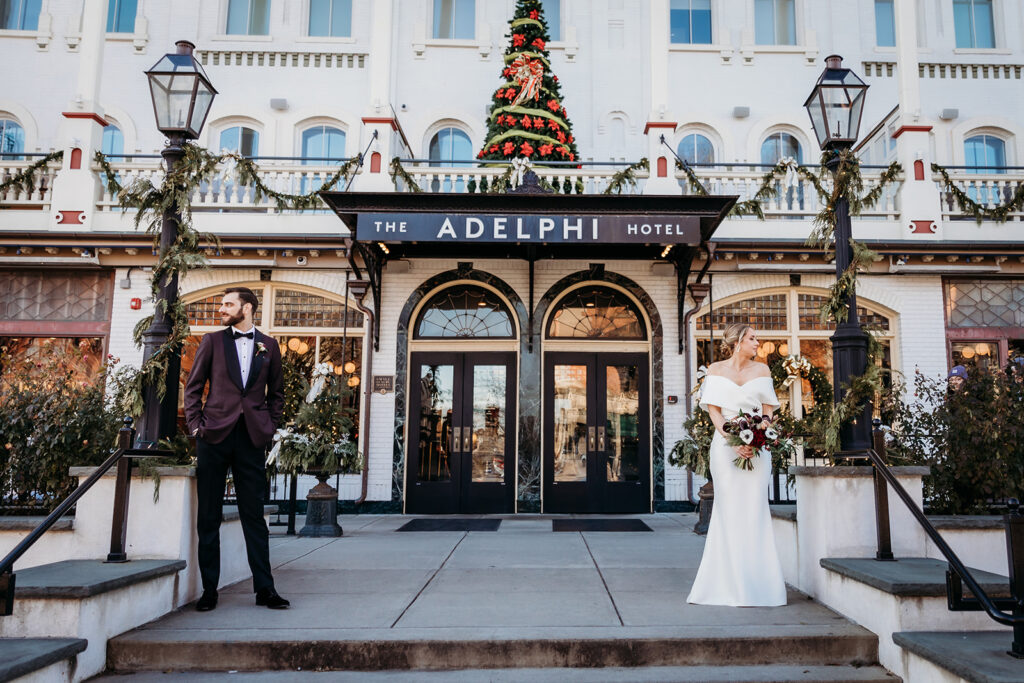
230	320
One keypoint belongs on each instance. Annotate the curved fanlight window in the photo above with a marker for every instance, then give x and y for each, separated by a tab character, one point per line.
465	312
596	313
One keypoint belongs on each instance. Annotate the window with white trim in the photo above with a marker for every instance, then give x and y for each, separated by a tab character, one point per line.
121	16
248	18
690	22
695	148
778	146
985	154
973	24
240	139
330	18
775	22
12	139
885	23
455	19
553	18
20	15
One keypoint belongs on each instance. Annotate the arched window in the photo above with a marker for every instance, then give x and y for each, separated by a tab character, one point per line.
464	312
240	139
12	139
19	15
787	322
985	154
321	144
596	312
778	146
696	149
121	16
113	141
448	145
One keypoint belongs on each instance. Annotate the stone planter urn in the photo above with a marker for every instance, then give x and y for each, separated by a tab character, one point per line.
321	509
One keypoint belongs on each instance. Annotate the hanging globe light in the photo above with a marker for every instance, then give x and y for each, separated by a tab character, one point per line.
353	381
294	343
769	348
967	352
350	367
982	349
783	349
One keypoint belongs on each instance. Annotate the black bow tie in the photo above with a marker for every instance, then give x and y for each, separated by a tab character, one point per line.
239	335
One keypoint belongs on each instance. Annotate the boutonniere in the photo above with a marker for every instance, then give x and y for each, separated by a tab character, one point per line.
260	348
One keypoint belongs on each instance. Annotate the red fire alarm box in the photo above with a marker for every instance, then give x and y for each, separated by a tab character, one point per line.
136	303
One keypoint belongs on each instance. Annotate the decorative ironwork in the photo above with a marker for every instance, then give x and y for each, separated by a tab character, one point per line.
66	297
465	312
991	303
767	312
596	313
293	308
810	316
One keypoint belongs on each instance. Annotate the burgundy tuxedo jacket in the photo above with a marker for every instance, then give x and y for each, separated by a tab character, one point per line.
261	400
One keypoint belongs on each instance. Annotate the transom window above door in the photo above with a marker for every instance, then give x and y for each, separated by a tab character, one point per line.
464	312
596	313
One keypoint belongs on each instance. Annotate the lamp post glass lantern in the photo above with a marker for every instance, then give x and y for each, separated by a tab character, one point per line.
182	95
835	106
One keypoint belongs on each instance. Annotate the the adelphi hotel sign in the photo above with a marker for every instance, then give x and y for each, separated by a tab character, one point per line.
528	228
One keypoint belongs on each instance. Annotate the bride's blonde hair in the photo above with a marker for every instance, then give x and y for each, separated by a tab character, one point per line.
733	334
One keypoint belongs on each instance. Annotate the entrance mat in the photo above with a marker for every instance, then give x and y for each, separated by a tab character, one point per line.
450	524
599	525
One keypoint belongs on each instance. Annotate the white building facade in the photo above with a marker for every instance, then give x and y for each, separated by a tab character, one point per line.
305	84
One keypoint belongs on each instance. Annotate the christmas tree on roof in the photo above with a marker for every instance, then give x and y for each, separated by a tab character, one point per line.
527	116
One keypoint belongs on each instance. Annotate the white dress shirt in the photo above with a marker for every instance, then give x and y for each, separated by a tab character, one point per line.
244	346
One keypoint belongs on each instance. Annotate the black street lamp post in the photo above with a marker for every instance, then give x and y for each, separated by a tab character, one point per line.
182	95
835	107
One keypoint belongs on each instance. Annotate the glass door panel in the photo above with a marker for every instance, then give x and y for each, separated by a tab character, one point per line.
570	423
488	436
437	386
621	442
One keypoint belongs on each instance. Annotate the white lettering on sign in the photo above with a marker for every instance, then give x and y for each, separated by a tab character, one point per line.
566	228
447	230
499	228
546	225
472	223
656	229
520	234
593	228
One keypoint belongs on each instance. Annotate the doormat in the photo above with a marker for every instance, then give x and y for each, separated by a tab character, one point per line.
450	524
599	525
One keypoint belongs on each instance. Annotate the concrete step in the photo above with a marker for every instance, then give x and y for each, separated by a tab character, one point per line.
277	649
653	674
42	659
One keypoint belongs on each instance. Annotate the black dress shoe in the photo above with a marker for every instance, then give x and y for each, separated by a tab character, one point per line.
268	597
207	602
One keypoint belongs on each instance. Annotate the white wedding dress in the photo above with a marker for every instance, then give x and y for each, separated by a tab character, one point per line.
740	566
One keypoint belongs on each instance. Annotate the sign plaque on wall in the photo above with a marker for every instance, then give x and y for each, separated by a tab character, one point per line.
383	384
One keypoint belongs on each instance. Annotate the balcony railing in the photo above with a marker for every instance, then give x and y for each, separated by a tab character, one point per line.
16	197
989	186
468	176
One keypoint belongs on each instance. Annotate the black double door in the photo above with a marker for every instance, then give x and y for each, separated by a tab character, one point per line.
462	422
596	433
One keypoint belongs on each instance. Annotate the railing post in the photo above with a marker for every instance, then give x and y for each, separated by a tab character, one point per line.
119	523
1015	554
6	594
881	498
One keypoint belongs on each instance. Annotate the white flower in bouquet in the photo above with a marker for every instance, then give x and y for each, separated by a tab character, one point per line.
771	434
746	436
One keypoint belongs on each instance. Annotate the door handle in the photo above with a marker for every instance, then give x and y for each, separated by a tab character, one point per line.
590	438
456	440
467	439
600	438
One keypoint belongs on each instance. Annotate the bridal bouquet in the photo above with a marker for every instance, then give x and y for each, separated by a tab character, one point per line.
757	431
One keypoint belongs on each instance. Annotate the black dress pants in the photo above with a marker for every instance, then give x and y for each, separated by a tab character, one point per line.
249	470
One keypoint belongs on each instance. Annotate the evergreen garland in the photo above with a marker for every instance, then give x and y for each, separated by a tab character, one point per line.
972	208
398	173
25	179
626	177
527	116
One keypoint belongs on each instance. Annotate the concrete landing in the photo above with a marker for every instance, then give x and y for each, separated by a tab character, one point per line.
86	578
912	576
521	596
23	656
978	657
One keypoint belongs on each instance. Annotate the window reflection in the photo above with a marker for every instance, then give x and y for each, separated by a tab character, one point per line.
488	442
622	421
570	422
437	384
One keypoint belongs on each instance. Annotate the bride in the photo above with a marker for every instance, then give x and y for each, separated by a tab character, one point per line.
740	566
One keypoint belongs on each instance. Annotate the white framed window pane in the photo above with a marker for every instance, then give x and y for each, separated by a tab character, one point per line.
334	147
778	146
319	17
465	19
553	17
321	143
20	15
113	141
885	23
259	17
764	22
238	17
240	139
785	22
962	23
341	18
121	16
984	29
690	21
12	138
696	149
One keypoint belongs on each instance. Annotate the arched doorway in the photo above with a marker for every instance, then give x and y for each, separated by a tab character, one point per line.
462	403
597	405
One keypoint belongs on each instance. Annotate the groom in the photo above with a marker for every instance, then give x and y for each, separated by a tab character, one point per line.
233	429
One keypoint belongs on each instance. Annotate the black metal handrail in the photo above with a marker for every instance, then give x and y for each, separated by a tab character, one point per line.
119	525
957	571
